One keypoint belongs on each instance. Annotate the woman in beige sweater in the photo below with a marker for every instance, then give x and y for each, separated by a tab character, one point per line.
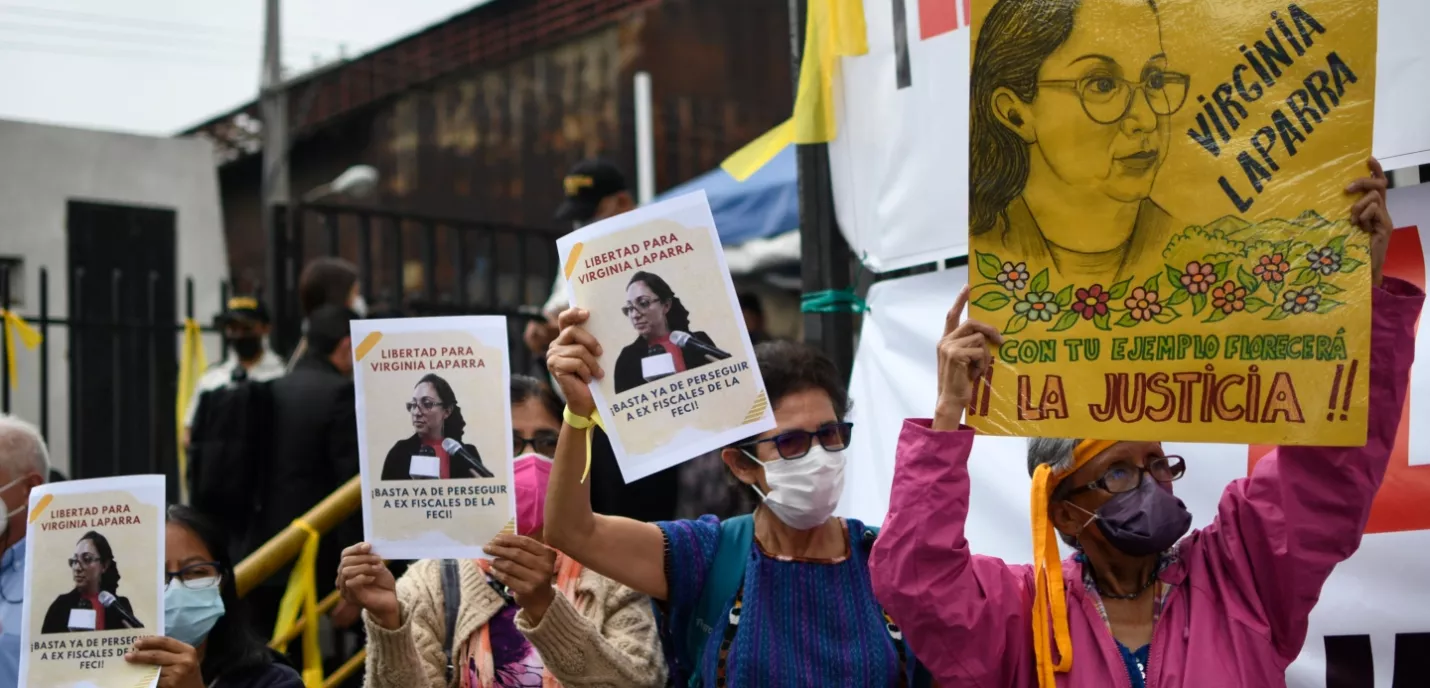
530	617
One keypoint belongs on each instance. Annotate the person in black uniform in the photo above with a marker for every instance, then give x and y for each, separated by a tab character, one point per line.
96	580
663	326
436	419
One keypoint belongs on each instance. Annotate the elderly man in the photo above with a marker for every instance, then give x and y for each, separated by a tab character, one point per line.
24	464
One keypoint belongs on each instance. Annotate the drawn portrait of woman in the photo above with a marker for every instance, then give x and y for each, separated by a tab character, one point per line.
1071	122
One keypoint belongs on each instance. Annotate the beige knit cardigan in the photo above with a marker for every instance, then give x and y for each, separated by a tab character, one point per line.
612	641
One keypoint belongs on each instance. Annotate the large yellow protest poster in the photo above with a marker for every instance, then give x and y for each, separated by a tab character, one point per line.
1158	218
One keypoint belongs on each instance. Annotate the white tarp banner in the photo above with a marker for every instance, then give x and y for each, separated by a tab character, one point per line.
899	164
1379	592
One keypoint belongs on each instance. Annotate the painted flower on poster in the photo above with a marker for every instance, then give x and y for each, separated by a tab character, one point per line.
1212	272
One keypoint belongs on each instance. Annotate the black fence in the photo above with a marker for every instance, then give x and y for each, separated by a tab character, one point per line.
122	355
413	266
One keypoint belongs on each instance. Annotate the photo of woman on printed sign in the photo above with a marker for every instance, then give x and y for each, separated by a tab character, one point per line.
1071	122
92	605
435	450
664	344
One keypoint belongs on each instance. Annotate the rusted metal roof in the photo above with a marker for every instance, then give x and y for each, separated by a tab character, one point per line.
491	33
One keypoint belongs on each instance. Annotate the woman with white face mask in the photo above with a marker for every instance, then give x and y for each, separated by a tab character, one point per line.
782	598
208	643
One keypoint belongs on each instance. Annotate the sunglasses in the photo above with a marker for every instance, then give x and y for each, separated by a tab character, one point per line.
795	444
543	443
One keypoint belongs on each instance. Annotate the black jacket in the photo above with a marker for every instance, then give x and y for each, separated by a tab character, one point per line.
315	453
57	619
628	364
399	459
271	676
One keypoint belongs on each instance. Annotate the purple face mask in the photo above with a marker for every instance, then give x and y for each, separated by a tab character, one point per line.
1147	520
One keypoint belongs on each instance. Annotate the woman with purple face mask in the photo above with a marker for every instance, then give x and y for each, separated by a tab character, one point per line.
528	617
1138	604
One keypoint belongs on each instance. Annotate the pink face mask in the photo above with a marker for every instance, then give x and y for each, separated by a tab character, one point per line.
530	473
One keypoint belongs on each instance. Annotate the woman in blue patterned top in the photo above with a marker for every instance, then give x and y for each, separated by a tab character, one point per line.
782	598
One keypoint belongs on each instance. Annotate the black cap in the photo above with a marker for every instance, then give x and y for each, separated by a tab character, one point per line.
244	308
585	186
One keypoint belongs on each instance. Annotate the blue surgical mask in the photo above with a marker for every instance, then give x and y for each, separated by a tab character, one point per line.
189	613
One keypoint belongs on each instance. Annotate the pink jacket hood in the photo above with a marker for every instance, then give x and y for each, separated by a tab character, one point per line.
1242	588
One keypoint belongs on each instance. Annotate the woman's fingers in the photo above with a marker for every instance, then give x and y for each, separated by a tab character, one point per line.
155	657
578	336
969	327
566	365
358	549
571	317
955	314
519	556
522	542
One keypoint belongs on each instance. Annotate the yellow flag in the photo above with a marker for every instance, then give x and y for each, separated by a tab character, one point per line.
16	325
192	362
833	29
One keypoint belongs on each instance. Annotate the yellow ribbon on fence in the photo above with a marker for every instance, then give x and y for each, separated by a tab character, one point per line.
16	325
833	29
192	363
302	595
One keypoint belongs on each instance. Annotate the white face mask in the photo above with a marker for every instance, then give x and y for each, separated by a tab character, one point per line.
359	306
804	492
5	505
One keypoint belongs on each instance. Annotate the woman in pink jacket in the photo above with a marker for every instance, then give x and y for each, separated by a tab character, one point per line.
1138	604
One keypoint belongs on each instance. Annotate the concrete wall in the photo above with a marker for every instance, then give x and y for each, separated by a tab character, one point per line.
42	168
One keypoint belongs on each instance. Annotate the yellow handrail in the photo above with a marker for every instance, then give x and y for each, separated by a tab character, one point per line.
324	606
346	671
285	546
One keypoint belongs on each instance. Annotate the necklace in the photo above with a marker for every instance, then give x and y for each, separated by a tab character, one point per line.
1151	581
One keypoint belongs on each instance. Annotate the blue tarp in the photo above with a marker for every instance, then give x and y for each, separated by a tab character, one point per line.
765	205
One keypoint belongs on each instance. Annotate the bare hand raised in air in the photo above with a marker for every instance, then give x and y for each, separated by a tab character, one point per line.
963	357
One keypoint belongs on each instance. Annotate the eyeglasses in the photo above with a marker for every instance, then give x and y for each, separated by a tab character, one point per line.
795	444
84	560
643	303
543	443
425	404
196	576
1106	98
1125	477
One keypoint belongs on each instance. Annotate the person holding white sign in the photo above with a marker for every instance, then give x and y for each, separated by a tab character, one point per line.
780	598
530	617
1138	604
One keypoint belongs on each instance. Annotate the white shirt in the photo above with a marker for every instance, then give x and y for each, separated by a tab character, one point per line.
269	367
557	302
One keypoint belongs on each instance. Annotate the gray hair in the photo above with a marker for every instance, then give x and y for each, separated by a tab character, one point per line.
1056	453
22	448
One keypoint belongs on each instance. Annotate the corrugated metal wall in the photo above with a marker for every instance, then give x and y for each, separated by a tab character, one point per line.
491	143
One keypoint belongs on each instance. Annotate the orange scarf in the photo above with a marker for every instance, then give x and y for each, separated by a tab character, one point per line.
479	644
1050	602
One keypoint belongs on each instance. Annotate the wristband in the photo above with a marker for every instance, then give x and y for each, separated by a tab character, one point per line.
578	422
584	423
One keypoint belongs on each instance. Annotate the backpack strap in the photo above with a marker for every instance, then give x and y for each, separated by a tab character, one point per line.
722	581
451	603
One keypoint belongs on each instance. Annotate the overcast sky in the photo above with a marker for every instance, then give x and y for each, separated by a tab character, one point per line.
160	66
